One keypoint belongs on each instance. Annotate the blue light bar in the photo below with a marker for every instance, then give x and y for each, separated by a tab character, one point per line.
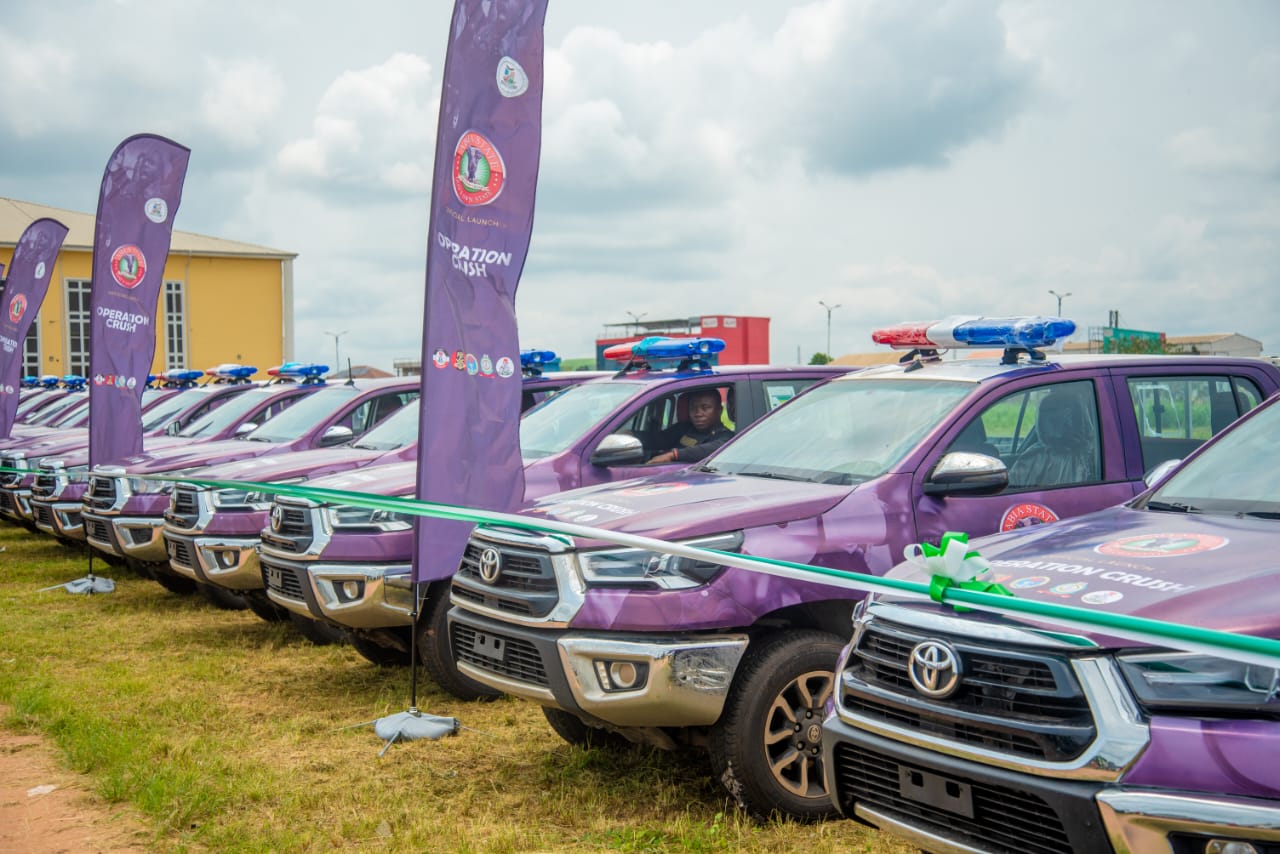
533	358
232	371
74	382
660	347
49	381
299	369
182	376
29	381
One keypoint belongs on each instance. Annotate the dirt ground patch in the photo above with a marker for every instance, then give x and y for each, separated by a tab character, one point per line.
35	819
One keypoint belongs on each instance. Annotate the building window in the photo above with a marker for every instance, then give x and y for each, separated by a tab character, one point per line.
31	350
175	326
78	317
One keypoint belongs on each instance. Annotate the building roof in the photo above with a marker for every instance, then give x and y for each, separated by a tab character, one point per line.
16	215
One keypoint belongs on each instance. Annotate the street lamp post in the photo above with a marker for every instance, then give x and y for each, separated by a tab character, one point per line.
1060	297
337	363
635	319
829	308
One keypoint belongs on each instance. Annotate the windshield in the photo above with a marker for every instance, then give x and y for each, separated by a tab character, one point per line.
560	420
72	414
299	420
235	409
399	429
53	411
168	409
1235	476
842	432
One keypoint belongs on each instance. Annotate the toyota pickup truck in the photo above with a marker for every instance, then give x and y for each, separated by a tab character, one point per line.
351	567
984	733
622	643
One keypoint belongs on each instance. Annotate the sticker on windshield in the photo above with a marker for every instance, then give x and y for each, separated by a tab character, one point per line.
1161	545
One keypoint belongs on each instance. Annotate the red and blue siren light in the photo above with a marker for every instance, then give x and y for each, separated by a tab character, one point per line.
1018	332
232	371
536	358
660	347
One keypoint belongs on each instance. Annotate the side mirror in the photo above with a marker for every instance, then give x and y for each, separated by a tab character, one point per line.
1159	472
965	473
336	435
246	427
172	428
618	449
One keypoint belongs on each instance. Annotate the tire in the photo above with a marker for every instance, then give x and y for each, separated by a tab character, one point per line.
168	579
578	732
767	746
318	632
434	651
383	656
221	597
257	602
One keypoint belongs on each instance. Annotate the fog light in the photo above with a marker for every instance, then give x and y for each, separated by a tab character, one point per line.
228	558
351	590
1229	846
623	674
620	675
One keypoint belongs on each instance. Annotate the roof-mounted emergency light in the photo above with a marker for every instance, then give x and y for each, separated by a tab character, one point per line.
181	378
30	381
50	381
306	372
532	361
1015	334
74	382
231	372
691	352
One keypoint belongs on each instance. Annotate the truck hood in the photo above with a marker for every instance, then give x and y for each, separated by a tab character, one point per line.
1215	572
689	503
389	479
306	464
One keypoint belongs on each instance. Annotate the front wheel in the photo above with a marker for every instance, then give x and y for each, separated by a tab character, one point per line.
437	657
767	747
576	731
381	654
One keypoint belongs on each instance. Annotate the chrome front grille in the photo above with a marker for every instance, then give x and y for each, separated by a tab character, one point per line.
184	507
525	582
1027	703
12	461
291	528
520	659
102	492
283	580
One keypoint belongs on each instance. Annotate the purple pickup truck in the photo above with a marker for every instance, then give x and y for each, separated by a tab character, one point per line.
55	499
212	535
123	515
622	643
350	566
979	733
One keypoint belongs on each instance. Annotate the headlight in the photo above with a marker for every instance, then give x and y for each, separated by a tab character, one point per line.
247	499
1194	680
349	516
643	568
139	486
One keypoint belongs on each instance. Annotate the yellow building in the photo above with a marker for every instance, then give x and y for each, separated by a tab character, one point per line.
221	301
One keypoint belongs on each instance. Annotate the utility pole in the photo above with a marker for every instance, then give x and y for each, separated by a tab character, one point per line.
1059	296
829	308
337	363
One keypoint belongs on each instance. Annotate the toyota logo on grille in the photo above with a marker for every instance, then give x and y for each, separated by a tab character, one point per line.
934	669
490	563
277	518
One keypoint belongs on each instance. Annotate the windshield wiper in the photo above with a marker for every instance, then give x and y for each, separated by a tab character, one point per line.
1261	514
1172	507
772	475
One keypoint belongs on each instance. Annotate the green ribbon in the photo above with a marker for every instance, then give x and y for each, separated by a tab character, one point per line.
947	562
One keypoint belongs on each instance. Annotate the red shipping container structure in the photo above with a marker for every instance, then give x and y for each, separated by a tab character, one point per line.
746	339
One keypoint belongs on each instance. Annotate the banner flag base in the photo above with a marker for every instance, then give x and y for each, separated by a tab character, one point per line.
412	725
88	585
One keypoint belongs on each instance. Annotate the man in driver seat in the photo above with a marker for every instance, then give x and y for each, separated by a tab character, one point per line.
691	440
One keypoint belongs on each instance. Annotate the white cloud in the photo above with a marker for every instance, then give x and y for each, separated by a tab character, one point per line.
240	98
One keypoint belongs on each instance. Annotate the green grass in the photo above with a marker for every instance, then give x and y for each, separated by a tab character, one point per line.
228	733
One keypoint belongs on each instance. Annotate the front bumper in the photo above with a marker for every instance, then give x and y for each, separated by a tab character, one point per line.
360	596
59	518
15	502
230	562
136	537
680	680
950	805
100	533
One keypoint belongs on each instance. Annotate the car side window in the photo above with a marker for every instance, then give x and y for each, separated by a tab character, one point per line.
778	392
1047	436
648	423
1176	414
368	414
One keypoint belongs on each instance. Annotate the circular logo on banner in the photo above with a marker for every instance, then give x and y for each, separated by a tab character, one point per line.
440	359
478	172
473	365
1161	545
1102	597
40	268
1026	515
486	366
506	367
128	266
17	306
157	210
512	81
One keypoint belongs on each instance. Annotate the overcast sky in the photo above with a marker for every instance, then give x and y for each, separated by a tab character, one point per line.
903	160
